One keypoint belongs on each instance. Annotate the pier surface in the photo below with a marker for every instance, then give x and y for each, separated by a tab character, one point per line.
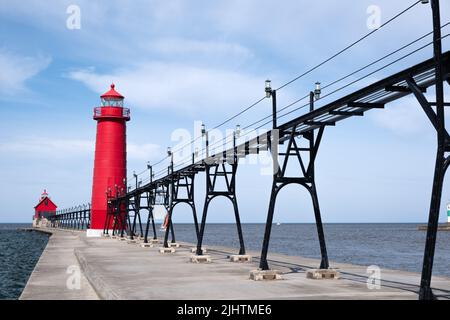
48	281
113	269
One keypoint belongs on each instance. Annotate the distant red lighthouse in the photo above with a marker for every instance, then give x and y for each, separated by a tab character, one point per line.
45	207
110	165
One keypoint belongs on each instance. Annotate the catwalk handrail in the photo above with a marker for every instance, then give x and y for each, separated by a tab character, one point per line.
78	218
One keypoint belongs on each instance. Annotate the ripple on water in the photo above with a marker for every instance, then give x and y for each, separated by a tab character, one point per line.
19	253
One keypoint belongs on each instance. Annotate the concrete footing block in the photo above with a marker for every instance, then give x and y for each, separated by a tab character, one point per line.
166	250
194	250
131	241
201	259
105	235
241	258
319	274
259	275
153	241
146	245
113	237
174	244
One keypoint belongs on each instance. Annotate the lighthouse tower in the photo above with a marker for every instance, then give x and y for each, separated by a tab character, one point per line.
110	164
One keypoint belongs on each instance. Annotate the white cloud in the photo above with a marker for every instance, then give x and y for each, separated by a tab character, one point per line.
45	147
190	46
143	152
176	86
406	117
17	69
403	119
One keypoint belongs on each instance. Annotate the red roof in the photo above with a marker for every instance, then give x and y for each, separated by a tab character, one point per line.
112	93
49	204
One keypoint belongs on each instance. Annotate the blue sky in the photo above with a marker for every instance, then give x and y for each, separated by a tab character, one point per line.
178	62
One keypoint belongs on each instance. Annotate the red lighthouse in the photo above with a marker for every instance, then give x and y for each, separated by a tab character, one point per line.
45	207
110	165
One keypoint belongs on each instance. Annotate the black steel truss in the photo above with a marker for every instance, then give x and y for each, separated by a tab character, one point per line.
151	201
305	158
117	213
133	212
437	118
180	190
442	162
163	193
223	170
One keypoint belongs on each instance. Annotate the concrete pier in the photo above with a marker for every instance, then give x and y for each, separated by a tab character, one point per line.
56	264
111	269
441	227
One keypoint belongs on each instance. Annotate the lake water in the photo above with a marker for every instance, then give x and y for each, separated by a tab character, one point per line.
19	253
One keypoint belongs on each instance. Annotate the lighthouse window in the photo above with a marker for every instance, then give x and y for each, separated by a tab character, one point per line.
112	102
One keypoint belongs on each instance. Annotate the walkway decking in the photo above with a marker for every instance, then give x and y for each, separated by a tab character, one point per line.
112	269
